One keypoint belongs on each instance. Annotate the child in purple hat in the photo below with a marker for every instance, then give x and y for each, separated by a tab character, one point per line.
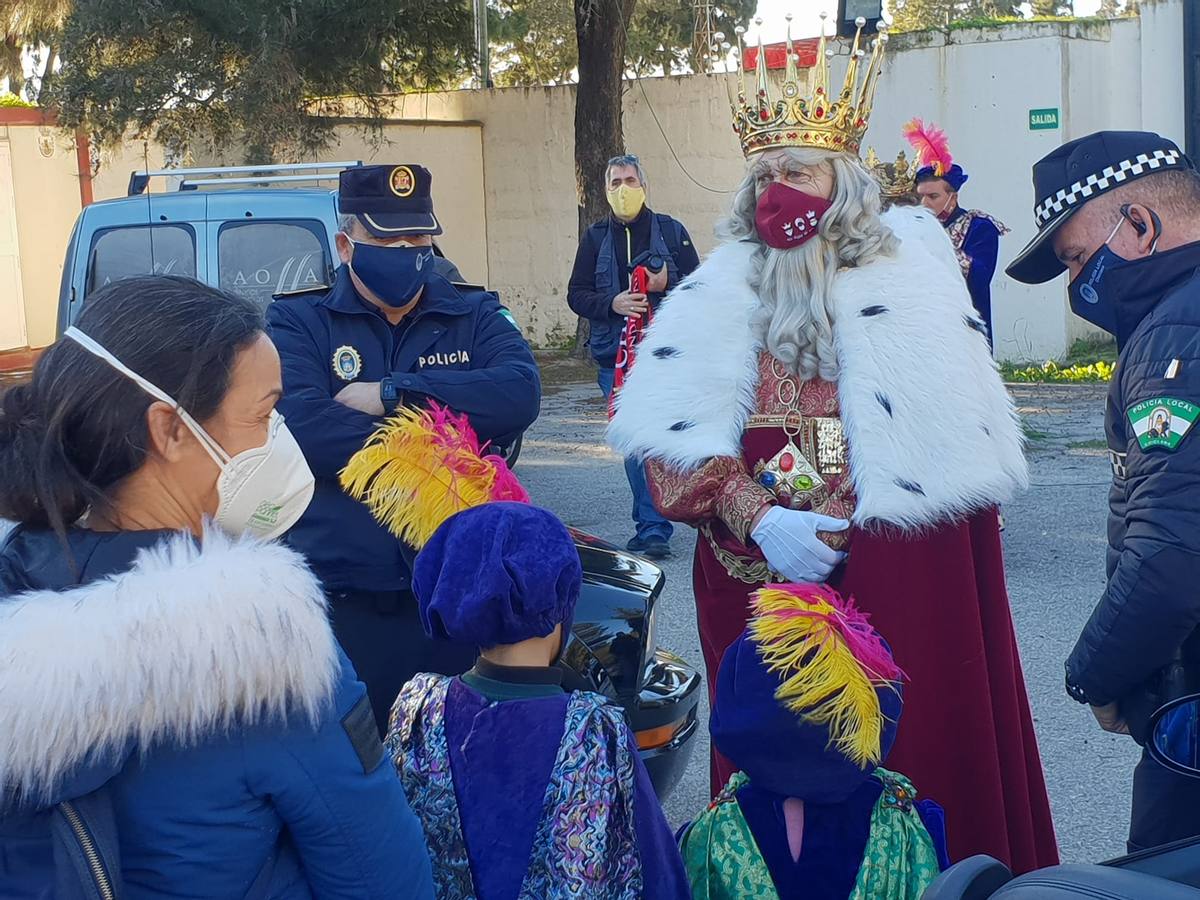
525	790
807	703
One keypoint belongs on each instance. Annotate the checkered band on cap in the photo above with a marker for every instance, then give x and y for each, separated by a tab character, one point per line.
1102	181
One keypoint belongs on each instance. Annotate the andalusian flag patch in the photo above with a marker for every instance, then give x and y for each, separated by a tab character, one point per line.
1162	422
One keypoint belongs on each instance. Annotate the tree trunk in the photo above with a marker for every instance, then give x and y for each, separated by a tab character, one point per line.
47	73
601	28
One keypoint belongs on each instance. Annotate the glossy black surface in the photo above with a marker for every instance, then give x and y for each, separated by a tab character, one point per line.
612	651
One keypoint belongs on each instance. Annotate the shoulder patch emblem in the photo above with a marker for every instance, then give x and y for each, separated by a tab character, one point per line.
1162	422
509	316
347	363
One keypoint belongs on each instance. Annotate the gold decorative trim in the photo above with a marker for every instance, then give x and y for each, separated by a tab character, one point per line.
743	568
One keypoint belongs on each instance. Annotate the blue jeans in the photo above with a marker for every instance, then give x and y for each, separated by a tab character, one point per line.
650	523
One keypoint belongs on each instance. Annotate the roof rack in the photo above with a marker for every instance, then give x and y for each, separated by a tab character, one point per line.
220	175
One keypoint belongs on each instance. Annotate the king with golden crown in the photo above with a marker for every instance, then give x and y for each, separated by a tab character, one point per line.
819	401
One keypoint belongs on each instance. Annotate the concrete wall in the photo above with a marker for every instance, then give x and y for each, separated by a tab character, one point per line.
979	85
46	191
112	177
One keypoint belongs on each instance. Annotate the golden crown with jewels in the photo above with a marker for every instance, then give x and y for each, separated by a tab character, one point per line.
819	120
896	179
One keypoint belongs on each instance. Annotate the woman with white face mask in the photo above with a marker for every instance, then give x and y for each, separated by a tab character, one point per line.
177	716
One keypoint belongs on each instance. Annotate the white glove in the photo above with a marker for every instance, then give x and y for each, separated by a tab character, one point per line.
788	539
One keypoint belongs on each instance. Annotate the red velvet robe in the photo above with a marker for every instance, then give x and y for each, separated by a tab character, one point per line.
966	737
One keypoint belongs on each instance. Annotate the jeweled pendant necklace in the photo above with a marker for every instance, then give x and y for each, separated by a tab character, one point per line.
788	474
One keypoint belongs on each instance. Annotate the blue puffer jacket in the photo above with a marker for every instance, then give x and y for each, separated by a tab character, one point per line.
180	722
1152	602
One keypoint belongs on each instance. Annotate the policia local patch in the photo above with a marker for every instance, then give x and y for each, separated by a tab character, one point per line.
1162	422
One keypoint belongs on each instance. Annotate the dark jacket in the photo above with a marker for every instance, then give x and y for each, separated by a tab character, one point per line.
458	348
981	244
180	722
1152	602
602	271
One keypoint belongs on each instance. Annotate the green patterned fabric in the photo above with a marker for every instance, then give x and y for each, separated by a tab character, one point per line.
723	861
900	860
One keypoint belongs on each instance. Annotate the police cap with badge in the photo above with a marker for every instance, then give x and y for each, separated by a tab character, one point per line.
389	201
1067	178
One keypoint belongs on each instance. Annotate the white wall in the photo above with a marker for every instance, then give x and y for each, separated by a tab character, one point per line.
980	85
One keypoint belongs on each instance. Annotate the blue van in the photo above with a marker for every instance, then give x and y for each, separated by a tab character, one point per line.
236	228
253	231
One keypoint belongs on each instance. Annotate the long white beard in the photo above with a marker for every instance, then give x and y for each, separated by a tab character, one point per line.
794	319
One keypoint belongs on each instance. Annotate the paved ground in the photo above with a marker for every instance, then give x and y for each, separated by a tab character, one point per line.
1055	551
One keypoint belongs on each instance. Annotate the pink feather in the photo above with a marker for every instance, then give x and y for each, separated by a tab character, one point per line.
506	486
453	430
930	144
850	622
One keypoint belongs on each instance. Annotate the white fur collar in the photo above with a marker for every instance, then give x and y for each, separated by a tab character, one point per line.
932	432
189	640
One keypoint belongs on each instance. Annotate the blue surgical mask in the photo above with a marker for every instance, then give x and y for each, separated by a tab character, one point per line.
393	274
1105	292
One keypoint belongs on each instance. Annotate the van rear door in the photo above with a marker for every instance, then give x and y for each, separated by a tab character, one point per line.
159	234
267	242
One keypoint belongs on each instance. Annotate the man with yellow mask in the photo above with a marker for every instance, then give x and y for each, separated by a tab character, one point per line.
600	290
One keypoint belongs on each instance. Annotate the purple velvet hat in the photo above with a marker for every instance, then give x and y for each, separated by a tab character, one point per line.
499	573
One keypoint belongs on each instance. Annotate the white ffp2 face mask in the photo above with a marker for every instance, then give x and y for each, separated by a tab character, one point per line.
262	491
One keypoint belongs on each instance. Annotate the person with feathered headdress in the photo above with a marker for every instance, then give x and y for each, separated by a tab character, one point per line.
974	234
807	704
525	789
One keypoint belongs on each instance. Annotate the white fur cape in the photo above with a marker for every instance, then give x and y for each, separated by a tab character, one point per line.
931	430
188	641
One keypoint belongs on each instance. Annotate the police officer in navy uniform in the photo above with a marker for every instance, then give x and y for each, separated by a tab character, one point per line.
599	290
391	332
1120	213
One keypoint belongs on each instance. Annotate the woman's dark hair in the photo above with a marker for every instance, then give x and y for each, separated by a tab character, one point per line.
78	427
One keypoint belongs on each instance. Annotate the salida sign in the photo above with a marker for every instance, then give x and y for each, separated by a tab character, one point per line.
1043	119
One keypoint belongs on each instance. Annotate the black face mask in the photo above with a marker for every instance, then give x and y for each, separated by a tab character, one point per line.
1115	293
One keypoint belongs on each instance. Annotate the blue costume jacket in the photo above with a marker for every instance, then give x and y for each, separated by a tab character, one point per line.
185	714
459	348
1150	606
976	239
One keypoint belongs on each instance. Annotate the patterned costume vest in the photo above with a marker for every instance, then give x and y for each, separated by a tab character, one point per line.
724	863
585	845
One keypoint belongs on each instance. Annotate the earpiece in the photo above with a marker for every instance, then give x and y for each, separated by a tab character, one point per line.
1139	227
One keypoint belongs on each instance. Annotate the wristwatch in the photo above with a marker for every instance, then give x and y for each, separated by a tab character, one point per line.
389	394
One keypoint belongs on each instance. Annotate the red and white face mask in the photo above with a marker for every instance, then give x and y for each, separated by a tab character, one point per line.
787	218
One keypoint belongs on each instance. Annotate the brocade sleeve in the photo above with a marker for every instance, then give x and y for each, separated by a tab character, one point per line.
720	488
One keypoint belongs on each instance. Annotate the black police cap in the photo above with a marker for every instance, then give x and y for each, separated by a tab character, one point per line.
1079	171
389	201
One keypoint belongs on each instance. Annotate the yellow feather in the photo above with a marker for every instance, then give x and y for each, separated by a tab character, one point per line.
413	476
821	679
